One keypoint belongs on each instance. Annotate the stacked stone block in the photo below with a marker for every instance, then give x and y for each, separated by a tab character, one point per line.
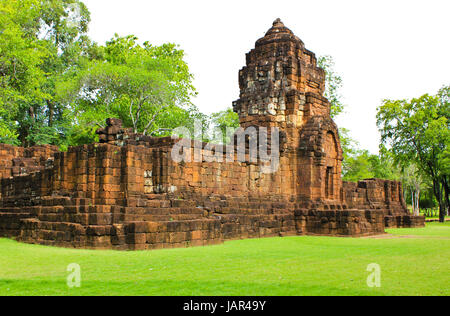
383	195
127	193
15	161
354	223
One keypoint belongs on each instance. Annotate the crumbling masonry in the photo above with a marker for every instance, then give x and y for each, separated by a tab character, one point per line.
127	193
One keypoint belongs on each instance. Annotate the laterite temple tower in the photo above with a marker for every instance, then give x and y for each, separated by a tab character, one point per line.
282	86
126	192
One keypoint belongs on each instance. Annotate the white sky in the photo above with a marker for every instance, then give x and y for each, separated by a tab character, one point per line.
382	49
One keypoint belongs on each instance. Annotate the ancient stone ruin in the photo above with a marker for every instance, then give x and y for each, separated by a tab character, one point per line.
127	193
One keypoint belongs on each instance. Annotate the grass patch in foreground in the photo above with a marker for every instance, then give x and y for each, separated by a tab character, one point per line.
272	266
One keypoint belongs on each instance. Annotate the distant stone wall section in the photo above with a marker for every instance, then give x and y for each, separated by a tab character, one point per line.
385	195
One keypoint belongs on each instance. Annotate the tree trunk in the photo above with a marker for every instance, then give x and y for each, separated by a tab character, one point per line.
413	205
417	208
442	208
442	212
446	194
51	111
438	194
24	132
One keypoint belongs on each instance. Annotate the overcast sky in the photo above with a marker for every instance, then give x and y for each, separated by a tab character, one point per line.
382	49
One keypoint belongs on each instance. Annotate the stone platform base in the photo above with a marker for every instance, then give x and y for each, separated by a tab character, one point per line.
156	221
404	221
202	231
354	223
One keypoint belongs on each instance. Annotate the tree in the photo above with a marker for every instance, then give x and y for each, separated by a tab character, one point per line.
8	134
444	157
226	122
360	164
65	33
413	180
21	58
148	87
350	165
357	167
40	40
418	131
333	84
384	165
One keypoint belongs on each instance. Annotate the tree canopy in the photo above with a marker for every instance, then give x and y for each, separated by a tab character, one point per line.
39	42
417	131
148	87
57	86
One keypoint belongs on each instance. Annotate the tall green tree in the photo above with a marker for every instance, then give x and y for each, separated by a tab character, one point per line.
148	87
22	56
418	131
65	32
40	40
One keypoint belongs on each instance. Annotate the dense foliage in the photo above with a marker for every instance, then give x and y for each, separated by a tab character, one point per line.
418	132
40	40
148	87
57	86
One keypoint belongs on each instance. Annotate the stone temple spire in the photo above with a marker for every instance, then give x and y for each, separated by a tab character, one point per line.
281	84
277	22
276	25
279	31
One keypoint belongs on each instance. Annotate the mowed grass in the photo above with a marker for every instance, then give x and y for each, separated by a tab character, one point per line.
412	261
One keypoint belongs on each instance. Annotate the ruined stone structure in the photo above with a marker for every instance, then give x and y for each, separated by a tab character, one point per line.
127	193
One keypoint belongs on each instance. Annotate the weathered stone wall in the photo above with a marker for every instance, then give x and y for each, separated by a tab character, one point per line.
92	198
354	223
375	194
128	193
7	154
384	195
136	197
16	161
21	183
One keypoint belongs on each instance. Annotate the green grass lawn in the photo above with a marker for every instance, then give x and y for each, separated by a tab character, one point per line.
413	262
